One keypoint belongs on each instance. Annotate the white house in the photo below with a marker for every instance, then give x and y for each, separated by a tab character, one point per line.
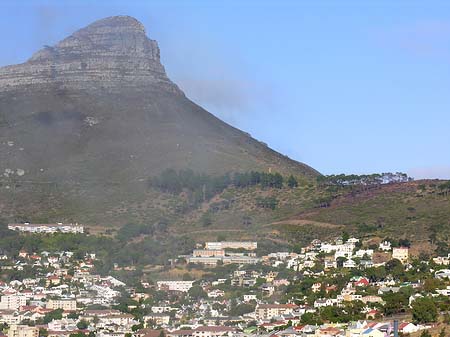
385	246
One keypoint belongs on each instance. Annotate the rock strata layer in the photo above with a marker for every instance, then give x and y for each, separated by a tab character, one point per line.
110	53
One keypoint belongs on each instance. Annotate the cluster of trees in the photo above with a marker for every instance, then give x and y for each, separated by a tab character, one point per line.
424	310
241	308
203	187
365	179
265	180
444	188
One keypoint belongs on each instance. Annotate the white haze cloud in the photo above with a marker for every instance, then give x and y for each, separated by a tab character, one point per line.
227	97
431	172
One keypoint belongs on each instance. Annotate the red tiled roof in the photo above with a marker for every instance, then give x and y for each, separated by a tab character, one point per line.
403	325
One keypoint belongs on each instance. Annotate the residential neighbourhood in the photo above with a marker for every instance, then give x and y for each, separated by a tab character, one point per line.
226	168
342	287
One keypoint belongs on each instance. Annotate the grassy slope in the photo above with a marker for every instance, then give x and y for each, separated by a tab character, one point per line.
399	210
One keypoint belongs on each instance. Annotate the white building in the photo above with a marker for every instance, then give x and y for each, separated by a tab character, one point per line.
442	260
160	310
12	302
249	297
215	293
362	252
231	245
47	228
385	246
208	252
349	264
182	286
323	302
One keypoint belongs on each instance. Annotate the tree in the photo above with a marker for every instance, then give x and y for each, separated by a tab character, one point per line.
292	182
424	310
340	261
345	237
395	303
431	284
404	243
240	309
73	315
197	292
311	319
137	327
82	324
395	268
53	315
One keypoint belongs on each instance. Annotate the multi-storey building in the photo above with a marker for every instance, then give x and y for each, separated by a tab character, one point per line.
208	252
47	228
23	331
268	311
12	302
182	286
67	305
231	245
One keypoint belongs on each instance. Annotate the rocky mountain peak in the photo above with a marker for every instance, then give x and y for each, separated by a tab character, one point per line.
109	53
113	36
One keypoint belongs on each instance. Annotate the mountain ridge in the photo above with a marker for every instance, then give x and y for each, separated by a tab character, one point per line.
96	115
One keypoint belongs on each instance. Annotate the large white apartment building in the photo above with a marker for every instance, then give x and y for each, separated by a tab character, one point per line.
12	302
208	252
182	286
47	228
248	245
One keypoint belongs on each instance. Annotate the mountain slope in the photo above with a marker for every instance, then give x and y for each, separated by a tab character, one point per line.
85	122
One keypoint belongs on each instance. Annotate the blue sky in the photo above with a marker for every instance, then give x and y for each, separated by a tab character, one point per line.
344	86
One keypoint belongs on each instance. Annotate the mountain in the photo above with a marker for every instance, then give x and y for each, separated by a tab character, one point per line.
84	123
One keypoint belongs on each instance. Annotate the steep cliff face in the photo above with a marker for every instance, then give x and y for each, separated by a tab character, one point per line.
94	116
111	53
